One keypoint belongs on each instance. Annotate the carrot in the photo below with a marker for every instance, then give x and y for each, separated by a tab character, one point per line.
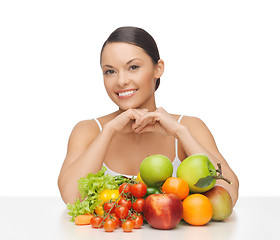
83	219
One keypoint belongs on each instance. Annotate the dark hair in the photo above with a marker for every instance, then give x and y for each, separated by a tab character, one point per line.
137	37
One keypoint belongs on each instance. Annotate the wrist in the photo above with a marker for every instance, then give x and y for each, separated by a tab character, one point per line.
181	131
109	129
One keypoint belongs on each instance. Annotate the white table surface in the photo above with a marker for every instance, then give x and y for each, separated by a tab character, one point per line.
47	218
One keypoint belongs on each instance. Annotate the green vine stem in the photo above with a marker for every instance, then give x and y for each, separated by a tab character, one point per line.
115	204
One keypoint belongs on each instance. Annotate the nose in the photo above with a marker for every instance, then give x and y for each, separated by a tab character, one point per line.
123	79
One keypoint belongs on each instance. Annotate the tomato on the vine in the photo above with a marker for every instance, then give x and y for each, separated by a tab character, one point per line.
125	202
138	205
139	190
95	221
125	189
121	212
127	226
109	225
114	218
118	222
137	219
109	207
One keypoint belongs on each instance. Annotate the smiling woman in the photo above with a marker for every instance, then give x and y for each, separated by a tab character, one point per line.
130	75
132	69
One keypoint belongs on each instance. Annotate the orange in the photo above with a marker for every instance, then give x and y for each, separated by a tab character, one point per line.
177	186
197	209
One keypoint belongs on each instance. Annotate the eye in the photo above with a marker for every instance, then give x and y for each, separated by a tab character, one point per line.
133	67
109	72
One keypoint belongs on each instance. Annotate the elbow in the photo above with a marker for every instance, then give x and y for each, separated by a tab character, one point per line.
62	190
67	194
60	187
235	192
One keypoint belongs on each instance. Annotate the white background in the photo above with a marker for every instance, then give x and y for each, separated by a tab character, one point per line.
222	65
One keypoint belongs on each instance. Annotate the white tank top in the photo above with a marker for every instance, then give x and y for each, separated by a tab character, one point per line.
176	162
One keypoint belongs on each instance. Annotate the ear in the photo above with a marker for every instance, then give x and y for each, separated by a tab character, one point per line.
159	68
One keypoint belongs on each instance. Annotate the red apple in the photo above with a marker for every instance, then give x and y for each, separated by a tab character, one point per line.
221	202
163	211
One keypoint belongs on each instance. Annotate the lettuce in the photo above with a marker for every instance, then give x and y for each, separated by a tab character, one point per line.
89	188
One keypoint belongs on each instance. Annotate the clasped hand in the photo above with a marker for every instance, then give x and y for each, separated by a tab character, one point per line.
141	121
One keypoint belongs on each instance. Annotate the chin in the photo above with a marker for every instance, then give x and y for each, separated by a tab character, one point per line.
124	108
128	105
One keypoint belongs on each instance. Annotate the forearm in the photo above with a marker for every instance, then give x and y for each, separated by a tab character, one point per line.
192	146
89	162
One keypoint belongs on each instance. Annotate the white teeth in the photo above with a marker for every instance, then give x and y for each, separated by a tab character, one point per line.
126	93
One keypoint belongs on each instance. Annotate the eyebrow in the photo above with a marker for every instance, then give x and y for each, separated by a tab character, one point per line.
126	63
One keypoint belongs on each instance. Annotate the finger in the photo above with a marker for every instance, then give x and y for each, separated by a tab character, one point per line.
147	122
150	117
133	114
153	128
143	109
136	117
141	113
147	128
160	109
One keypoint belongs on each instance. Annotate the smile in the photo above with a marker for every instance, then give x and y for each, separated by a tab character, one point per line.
126	94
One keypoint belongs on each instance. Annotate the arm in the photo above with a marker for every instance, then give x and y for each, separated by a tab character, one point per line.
86	152
195	137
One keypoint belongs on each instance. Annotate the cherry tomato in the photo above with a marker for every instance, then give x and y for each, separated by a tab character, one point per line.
114	218
125	202
121	212
125	189
138	205
117	221
127	226
95	221
139	190
137	219
109	207
109	225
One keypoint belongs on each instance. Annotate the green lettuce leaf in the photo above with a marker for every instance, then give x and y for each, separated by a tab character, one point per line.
90	188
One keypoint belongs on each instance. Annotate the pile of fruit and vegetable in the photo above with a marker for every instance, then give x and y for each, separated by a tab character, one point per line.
154	197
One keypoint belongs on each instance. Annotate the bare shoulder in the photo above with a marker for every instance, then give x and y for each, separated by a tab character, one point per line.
89	126
193	123
201	133
199	130
107	118
83	133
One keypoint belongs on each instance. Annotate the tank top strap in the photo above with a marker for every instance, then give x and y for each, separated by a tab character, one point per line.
176	141
98	123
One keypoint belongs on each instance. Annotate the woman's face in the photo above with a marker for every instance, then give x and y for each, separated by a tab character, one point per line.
129	75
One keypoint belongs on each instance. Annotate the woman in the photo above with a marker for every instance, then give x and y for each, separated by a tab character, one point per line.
132	69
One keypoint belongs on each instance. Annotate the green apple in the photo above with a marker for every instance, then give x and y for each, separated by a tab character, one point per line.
155	169
221	202
196	168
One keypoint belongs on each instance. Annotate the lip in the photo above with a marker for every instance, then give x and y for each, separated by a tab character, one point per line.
125	91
